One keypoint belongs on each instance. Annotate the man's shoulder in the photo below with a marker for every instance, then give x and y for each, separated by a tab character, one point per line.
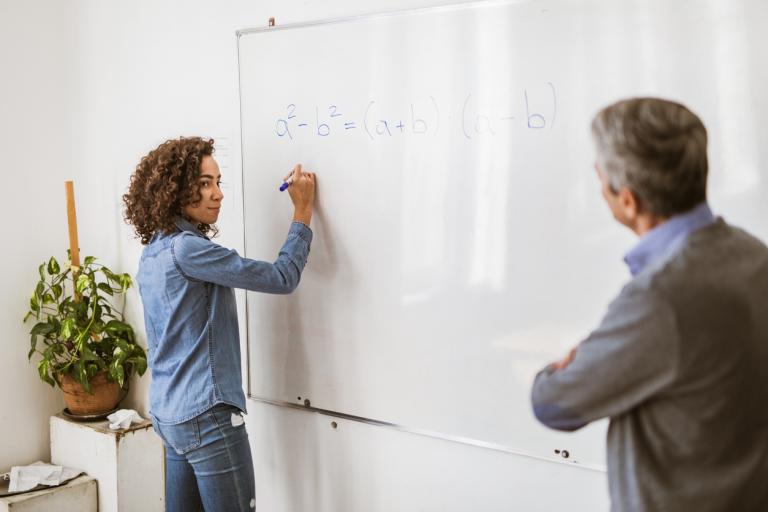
717	246
719	249
721	232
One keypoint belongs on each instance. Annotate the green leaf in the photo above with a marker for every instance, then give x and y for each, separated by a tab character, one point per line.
80	341
43	369
41	271
88	260
98	326
88	355
119	329
91	370
57	290
33	304
121	351
40	289
81	376
105	288
42	328
107	344
125	281
33	345
139	363
67	328
117	372
48	298
81	308
53	266
83	282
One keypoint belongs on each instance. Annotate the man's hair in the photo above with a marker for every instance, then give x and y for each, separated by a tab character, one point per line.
657	149
164	182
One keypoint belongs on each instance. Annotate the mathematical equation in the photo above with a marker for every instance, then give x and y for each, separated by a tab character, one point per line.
420	119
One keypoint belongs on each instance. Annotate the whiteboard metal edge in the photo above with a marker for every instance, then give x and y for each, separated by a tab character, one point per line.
245	238
425	433
381	15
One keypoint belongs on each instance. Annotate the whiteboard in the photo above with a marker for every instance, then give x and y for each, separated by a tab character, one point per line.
460	239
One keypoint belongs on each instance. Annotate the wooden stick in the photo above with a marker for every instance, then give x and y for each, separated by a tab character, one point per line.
74	248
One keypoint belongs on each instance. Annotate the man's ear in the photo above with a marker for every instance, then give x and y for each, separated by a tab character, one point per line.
629	204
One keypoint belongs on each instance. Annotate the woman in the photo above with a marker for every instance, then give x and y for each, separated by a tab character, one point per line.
186	282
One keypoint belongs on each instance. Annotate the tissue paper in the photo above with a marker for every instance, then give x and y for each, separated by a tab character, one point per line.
24	478
123	419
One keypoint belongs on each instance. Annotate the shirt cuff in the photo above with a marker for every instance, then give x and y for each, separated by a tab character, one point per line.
301	230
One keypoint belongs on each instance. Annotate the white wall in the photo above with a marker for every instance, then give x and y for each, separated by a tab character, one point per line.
35	142
134	74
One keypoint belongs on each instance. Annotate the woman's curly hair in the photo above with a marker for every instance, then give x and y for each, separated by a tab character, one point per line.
165	181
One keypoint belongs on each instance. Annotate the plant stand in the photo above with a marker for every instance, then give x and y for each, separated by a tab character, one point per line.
128	464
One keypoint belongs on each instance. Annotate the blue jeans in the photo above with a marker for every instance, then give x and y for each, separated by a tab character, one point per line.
208	463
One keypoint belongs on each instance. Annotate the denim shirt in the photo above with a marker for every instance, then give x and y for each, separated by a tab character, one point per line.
186	284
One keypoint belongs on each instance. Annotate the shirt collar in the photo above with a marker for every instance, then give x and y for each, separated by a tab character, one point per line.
657	241
184	225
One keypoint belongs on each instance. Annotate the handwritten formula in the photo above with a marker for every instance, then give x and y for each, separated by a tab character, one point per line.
424	118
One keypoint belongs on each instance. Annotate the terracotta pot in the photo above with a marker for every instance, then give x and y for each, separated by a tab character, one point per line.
105	397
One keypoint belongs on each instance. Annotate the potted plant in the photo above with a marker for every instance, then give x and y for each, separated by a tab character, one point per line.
85	345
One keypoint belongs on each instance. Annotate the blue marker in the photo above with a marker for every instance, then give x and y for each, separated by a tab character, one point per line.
286	184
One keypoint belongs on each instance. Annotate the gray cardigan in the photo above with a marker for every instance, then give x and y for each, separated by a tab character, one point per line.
679	364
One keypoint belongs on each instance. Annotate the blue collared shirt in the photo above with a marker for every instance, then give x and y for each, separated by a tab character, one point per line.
665	237
186	284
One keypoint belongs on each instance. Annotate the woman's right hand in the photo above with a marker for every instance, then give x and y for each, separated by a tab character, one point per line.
302	192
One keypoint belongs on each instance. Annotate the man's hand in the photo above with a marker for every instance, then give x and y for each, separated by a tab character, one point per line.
562	363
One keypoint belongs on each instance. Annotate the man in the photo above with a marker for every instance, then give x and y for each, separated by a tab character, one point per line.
679	363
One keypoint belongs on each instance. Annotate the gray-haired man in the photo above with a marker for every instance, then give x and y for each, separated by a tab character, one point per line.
679	363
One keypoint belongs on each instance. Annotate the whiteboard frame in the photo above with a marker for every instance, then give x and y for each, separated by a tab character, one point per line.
375	16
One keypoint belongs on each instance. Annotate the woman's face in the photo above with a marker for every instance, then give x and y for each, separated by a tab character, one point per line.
207	210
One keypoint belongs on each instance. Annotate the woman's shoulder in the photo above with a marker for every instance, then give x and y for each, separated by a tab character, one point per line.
187	245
